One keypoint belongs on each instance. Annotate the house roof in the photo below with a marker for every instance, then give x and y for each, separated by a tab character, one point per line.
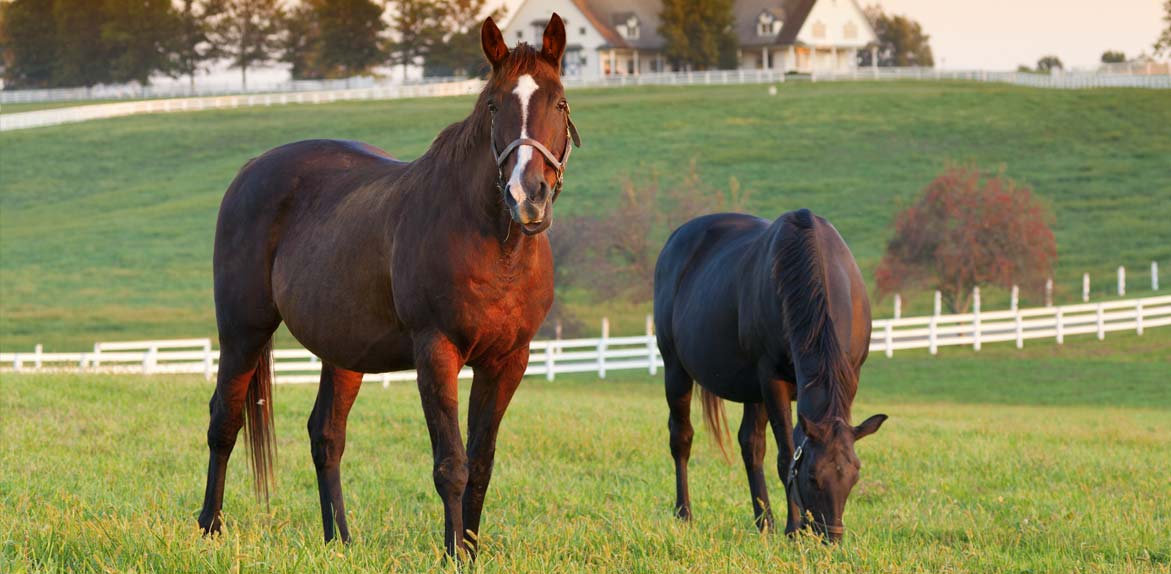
606	15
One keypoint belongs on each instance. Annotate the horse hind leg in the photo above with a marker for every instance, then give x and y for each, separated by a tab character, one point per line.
327	437
679	386
240	358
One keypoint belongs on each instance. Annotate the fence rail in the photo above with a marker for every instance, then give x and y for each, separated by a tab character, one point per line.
604	354
298	95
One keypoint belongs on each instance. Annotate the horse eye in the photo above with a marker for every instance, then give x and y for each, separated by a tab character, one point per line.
563	105
492	107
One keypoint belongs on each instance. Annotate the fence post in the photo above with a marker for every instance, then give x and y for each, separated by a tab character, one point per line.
976	318
1155	266
1016	298
1101	323
149	360
931	335
653	367
1049	292
17	364
207	360
1060	327
938	303
40	349
550	371
1121	280
898	306
1138	316
97	358
888	340
602	347
1020	331
1085	287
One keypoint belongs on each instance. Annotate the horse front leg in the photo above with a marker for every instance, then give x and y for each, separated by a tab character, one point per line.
492	390
752	447
778	395
438	362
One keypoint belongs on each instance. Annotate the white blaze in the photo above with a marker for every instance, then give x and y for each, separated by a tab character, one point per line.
525	87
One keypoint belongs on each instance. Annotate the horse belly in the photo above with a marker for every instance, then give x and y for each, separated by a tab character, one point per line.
709	349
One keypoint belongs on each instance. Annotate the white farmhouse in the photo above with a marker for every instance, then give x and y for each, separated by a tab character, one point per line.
620	37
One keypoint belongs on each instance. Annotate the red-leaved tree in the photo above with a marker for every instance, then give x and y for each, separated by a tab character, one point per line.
967	231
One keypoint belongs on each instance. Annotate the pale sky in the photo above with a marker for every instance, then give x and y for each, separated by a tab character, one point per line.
1000	34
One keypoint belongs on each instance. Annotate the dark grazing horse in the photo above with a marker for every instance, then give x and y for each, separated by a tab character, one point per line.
379	265
763	314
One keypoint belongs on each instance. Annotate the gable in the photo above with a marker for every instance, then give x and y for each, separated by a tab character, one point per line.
836	23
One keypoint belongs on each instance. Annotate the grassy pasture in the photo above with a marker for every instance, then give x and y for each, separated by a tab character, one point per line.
106	227
1032	461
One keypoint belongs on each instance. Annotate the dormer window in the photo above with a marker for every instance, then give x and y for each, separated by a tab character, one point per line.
767	24
628	26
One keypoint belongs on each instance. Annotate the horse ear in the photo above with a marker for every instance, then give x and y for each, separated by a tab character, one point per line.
553	43
814	431
869	426
493	43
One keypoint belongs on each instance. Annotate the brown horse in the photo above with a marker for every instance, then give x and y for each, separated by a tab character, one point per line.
764	313
380	265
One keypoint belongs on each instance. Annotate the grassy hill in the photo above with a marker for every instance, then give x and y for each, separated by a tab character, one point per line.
106	227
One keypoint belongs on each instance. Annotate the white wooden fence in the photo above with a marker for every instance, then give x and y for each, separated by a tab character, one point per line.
1070	80
604	354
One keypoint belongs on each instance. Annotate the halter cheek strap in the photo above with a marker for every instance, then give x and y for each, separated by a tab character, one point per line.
795	492
558	165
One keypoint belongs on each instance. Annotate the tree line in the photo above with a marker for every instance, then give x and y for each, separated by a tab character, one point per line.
67	43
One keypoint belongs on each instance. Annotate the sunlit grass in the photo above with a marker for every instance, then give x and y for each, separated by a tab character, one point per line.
989	463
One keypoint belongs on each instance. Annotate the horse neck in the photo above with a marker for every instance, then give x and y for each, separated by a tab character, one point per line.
458	174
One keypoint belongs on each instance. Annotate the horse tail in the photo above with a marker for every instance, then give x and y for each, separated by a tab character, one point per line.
716	418
258	427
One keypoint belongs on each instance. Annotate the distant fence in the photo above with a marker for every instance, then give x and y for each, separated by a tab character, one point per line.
1069	80
604	354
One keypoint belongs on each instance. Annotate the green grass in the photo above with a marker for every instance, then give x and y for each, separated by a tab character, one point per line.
106	227
1029	463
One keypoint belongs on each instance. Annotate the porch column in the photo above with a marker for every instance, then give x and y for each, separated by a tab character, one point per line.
601	64
792	58
833	57
764	58
637	71
874	57
613	62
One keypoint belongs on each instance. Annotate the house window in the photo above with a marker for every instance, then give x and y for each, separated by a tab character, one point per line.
630	28
819	29
519	34
767	24
850	31
582	30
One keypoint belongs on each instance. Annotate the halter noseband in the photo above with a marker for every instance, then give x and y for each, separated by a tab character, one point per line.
558	165
795	493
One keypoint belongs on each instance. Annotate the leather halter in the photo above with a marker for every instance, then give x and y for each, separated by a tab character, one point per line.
795	492
556	164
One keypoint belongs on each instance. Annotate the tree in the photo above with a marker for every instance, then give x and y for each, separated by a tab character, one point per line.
1049	63
1113	57
301	42
1163	44
350	32
418	24
28	35
460	53
193	46
140	37
963	233
246	33
699	33
80	57
901	41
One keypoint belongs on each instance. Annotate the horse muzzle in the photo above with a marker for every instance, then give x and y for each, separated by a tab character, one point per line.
533	218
